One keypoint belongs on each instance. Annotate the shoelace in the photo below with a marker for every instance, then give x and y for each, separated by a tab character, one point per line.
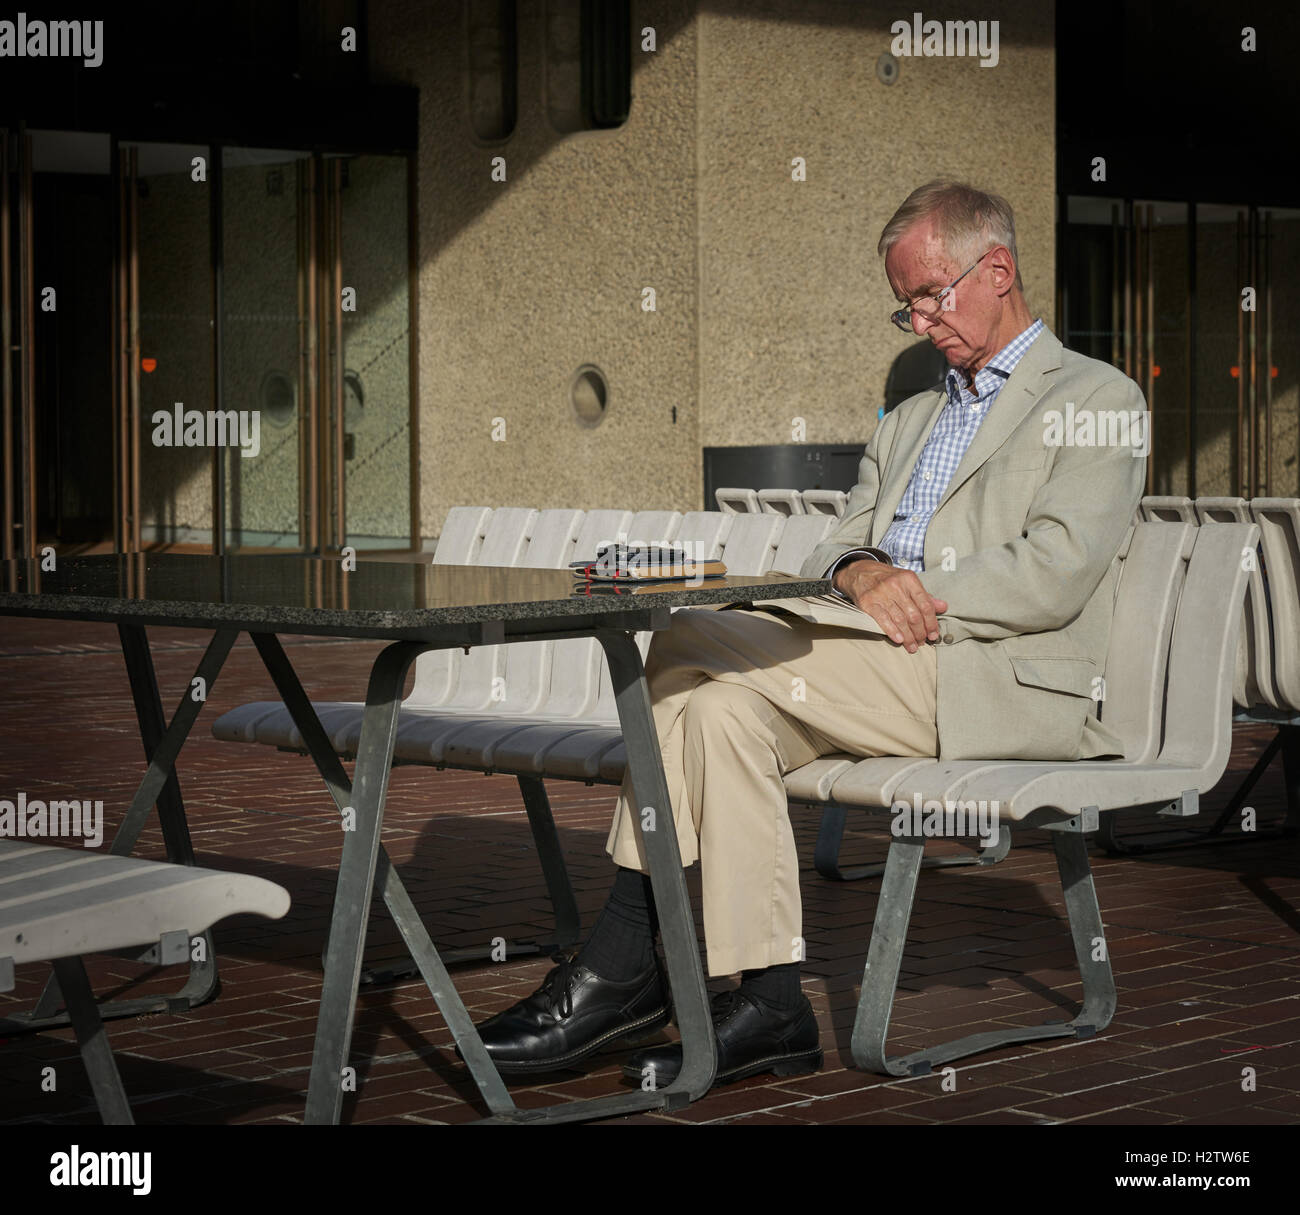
557	985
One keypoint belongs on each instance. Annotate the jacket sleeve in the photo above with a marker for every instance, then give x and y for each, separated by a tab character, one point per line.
854	528
1042	579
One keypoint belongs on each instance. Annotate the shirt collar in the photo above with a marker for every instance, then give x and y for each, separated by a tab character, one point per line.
996	371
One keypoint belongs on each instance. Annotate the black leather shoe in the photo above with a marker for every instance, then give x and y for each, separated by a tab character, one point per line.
573	1014
751	1038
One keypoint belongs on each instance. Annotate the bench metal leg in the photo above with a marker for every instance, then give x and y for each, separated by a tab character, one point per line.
331	770
1291	776
830	835
888	939
96	1053
160	787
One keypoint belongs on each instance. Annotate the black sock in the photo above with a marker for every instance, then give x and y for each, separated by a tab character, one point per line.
621	946
777	986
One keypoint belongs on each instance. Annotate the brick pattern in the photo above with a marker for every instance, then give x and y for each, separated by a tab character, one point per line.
1203	940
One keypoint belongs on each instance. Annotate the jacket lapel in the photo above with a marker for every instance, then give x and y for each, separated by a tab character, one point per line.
1026	384
902	460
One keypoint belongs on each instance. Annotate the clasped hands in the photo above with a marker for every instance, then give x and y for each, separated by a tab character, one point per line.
905	611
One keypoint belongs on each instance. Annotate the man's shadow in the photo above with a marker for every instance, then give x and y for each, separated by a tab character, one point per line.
920	368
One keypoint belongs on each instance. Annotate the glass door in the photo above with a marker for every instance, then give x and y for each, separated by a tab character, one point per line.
369	205
203	347
266	375
1278	335
1200	304
165	341
315	342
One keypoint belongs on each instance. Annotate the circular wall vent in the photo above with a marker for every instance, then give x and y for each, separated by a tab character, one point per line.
275	398
590	395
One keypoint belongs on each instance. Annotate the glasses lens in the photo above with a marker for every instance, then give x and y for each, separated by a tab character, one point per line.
929	307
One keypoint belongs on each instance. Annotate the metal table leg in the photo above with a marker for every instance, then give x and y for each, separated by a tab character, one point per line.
160	787
676	923
363	860
331	770
356	881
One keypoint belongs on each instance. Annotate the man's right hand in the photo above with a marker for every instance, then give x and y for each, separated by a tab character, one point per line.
895	599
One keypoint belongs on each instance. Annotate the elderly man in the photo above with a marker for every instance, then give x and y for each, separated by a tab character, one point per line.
973	590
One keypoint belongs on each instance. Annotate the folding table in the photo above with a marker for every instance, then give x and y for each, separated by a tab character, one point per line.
416	607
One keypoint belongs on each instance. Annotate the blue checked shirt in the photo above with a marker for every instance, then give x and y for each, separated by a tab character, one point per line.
953	433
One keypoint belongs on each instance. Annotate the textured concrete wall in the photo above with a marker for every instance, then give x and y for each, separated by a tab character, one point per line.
770	299
794	317
524	281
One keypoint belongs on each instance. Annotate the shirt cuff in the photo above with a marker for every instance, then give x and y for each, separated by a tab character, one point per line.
855	554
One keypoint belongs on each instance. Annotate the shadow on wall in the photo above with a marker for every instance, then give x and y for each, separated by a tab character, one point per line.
920	368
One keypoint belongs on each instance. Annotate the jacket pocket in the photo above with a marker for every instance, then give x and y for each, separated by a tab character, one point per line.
1071	675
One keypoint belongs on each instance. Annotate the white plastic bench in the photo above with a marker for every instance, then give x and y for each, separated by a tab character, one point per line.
1168	612
733	500
1185	676
58	904
781	501
1266	683
825	501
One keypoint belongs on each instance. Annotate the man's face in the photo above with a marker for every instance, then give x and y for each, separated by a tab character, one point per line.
966	329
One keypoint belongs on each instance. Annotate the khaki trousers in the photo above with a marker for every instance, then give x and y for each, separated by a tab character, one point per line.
740	697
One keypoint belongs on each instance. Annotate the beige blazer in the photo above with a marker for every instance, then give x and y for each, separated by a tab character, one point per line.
1022	547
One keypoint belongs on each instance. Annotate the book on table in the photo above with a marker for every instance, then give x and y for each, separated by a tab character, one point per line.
646	563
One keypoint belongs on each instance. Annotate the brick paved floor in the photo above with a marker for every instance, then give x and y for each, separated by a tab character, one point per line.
1204	941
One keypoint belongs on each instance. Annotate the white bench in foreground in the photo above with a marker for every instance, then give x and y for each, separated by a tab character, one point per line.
58	904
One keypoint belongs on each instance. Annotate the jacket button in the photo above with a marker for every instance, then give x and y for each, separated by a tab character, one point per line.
946	638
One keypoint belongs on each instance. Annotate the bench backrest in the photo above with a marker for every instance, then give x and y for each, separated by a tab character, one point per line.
781	501
751	543
801	534
504	542
1198	694
1253	679
1157	509
574	668
501	678
1152	569
733	500
462	535
825	501
1279	527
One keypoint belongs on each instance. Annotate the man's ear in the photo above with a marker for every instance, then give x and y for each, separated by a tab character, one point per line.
1003	267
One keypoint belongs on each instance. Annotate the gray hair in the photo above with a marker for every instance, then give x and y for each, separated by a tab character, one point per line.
969	221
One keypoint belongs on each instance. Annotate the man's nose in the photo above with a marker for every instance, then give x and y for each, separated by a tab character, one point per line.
921	325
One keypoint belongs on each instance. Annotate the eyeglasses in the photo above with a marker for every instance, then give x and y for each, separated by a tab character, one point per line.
930	306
